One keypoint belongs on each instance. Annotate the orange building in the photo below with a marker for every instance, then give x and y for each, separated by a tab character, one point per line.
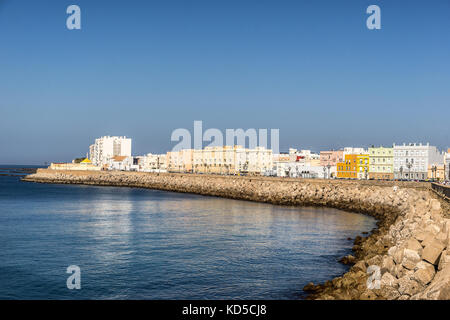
347	169
354	166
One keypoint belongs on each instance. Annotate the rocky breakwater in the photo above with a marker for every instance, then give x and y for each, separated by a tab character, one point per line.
406	257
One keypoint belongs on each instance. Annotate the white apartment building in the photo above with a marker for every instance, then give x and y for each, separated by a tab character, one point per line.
304	155
295	169
447	165
107	147
411	161
354	150
153	163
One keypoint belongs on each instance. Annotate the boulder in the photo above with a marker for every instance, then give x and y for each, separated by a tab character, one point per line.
444	260
398	255
413	244
432	252
410	259
359	266
387	265
408	286
349	259
388	280
439	288
424	273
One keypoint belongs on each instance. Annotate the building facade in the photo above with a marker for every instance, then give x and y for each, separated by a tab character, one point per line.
105	148
354	166
381	163
447	165
411	161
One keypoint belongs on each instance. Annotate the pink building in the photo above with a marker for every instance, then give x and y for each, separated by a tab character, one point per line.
331	157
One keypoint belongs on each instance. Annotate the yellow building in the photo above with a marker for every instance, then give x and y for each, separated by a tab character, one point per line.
355	166
362	166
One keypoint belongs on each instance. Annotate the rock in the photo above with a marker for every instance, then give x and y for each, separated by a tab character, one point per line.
410	259
387	265
413	244
368	295
389	293
439	288
444	260
398	255
374	261
388	280
420	235
435	204
429	238
432	252
359	266
425	273
309	287
349	259
408	286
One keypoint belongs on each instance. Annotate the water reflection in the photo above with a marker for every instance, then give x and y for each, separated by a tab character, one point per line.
145	244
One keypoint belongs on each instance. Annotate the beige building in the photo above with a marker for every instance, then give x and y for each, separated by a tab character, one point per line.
381	163
180	161
232	160
86	164
436	172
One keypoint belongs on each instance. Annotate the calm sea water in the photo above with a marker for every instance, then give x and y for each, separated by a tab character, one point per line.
146	244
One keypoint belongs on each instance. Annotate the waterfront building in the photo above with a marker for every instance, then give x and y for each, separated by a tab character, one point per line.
447	165
297	169
302	155
381	161
180	161
107	147
86	164
232	160
411	161
354	166
354	150
153	163
331	158
436	172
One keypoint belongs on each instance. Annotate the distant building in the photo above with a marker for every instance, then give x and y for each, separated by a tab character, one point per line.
180	161
354	150
86	164
411	161
354	166
381	163
436	172
153	163
105	148
447	165
331	158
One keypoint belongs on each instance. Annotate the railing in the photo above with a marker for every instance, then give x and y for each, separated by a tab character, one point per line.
443	191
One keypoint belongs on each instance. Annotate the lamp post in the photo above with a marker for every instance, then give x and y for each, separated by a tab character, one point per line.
409	165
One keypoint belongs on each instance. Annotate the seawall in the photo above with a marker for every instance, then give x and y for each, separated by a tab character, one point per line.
409	252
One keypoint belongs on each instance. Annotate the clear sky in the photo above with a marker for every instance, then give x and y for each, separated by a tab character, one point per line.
144	68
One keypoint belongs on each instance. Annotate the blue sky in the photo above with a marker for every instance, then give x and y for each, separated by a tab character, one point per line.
144	68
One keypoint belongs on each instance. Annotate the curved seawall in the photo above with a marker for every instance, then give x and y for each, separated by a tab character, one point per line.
409	248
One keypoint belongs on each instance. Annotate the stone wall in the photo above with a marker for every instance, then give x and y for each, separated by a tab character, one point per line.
410	247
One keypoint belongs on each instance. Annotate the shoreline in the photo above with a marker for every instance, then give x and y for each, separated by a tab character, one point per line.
409	245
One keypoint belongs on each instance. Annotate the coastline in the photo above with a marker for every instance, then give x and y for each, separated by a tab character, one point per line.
410	244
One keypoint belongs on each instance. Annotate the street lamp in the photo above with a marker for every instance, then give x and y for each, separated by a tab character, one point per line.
409	165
